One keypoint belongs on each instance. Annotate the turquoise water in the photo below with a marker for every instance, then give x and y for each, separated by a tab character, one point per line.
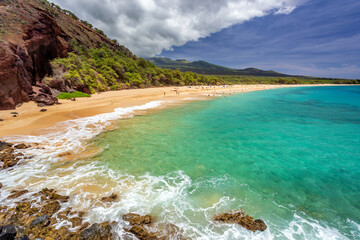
288	156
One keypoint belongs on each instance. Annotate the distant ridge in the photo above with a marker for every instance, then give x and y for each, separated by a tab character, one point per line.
203	67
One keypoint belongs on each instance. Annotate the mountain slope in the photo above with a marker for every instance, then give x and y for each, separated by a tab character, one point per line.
203	67
32	32
45	50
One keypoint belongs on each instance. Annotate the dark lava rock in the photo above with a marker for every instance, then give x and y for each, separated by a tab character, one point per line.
76	221
21	146
136	219
1	185
45	99
242	219
7	232
4	145
97	232
17	193
41	105
51	208
24	238
7	156
46	89
40	221
141	233
43	110
110	198
52	195
1	120
14	113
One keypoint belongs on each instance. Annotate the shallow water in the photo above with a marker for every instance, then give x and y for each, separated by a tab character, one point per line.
288	156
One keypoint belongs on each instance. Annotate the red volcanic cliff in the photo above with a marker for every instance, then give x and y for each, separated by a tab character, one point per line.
32	33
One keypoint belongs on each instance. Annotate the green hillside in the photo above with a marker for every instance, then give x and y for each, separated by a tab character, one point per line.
203	67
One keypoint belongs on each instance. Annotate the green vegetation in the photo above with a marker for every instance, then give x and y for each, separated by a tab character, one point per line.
284	80
243	76
76	94
203	67
103	69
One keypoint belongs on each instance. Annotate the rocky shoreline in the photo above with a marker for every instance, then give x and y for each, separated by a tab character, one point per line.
8	157
46	215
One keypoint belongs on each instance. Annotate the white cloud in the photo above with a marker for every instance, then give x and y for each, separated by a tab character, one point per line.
148	26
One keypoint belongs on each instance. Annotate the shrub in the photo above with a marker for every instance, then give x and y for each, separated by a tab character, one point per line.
76	94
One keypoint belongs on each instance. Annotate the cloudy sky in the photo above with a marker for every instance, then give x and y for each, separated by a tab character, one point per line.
308	37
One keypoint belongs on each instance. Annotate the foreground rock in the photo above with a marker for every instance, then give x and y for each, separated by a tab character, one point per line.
97	231
140	227
242	219
110	198
8	158
36	219
136	219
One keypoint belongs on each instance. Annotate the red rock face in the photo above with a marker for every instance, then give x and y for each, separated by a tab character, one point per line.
24	62
31	34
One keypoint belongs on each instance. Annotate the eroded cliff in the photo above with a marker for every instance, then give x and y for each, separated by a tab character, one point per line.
32	32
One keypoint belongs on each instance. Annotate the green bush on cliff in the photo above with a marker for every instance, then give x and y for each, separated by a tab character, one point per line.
102	69
76	94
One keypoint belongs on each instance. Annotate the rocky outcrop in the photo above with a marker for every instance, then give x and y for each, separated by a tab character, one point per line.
7	232
33	33
110	198
8	158
242	219
136	219
35	219
97	232
25	59
140	227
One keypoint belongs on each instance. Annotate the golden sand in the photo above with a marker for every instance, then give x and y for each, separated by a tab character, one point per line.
31	121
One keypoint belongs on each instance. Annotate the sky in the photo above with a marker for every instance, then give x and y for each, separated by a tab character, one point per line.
304	37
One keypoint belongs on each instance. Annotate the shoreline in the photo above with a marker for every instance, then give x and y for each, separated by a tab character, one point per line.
30	121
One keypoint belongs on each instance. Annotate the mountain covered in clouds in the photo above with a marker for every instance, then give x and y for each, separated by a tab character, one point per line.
203	67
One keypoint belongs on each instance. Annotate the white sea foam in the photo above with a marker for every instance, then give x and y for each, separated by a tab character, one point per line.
66	136
169	197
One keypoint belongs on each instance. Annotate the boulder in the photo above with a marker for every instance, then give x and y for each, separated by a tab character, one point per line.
136	219
52	195
17	193
45	99
76	221
7	156
40	221
21	146
1	185
24	238
7	232
141	233
110	198
97	232
242	219
51	208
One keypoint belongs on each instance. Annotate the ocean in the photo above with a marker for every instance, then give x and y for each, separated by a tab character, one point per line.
288	156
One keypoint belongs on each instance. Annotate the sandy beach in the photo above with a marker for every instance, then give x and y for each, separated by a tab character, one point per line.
30	120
